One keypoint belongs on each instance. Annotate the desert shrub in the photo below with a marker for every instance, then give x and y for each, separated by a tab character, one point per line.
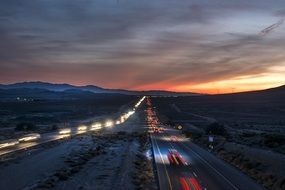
121	133
216	129
54	127
248	134
248	164
26	126
191	134
274	140
170	122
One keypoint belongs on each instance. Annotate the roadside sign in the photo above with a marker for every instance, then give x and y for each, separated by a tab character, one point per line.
211	139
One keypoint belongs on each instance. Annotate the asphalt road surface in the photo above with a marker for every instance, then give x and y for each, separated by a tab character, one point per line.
181	164
47	137
211	172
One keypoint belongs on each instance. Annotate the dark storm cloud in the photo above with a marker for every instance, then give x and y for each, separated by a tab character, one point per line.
136	42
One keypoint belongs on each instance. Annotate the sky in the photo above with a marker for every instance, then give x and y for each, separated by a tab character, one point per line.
206	46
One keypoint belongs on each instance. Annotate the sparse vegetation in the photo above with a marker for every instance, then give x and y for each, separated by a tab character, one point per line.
274	140
74	164
26	126
143	176
192	135
216	129
254	168
54	127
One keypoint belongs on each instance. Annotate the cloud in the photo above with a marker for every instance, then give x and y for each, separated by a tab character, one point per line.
271	28
136	43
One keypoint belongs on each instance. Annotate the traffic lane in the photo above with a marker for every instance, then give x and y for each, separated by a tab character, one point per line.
170	175
220	169
15	145
161	169
45	138
48	137
178	172
207	177
214	172
53	136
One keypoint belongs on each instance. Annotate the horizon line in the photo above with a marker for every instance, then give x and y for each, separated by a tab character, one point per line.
145	90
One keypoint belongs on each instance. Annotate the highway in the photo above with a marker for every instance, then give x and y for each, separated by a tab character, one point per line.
199	169
66	132
45	138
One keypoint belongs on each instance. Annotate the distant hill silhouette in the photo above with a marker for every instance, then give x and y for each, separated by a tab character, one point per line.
50	86
276	92
27	94
88	88
279	89
45	89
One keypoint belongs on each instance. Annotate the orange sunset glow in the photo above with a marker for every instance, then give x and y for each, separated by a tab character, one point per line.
237	84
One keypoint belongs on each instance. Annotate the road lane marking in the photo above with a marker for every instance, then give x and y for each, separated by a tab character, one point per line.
168	178
167	175
173	147
235	187
228	181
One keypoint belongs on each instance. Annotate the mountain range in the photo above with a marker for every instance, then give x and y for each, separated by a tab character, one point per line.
49	90
88	88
